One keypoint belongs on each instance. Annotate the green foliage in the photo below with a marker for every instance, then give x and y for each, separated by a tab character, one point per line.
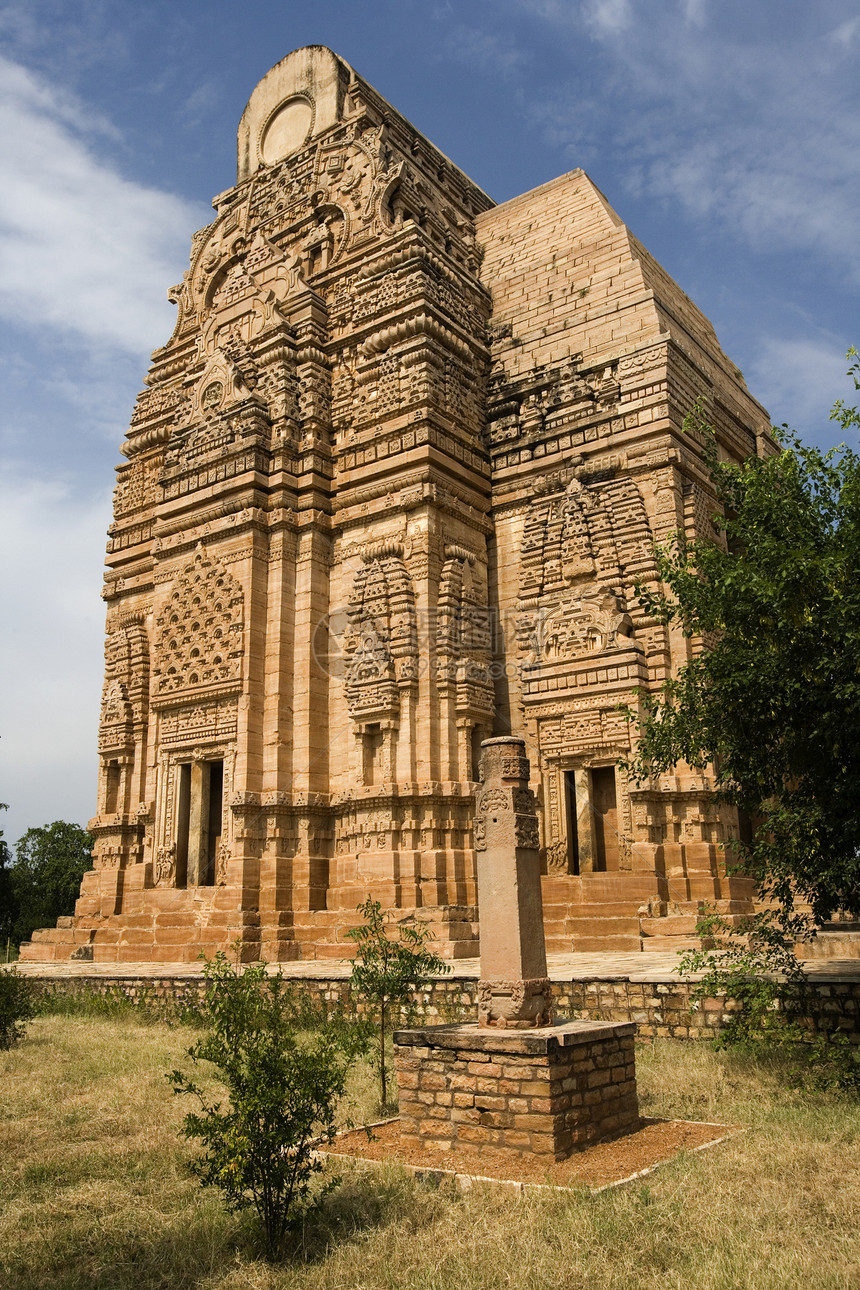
752	963
774	699
46	876
848	418
17	1006
284	1085
386	972
112	1002
772	1007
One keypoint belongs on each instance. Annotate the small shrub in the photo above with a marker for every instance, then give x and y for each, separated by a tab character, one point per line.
17	1006
832	1062
386	972
284	1085
754	964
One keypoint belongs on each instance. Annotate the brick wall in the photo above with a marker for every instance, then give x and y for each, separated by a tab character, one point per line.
513	1091
659	1008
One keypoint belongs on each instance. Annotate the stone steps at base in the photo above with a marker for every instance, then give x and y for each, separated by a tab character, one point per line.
557	944
321	950
605	888
671	925
605	945
43	953
593	924
590	909
831	945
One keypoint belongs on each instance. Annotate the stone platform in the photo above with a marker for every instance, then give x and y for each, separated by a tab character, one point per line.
644	988
656	966
547	1092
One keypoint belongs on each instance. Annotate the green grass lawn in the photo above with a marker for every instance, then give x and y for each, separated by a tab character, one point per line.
94	1191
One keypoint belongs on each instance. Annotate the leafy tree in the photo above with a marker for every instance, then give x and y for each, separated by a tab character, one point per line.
46	876
773	701
386	972
8	904
284	1082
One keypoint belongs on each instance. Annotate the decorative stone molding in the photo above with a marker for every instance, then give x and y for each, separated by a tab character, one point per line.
199	632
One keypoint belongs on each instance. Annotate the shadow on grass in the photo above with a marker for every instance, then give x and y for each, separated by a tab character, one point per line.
201	1244
366	1199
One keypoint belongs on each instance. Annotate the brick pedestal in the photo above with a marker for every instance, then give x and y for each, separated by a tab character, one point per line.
549	1091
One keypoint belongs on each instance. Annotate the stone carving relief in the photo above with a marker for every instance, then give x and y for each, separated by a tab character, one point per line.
516	995
162	402
577	562
576	627
493	799
117	716
199	632
165	866
200	723
381	643
557	857
527	832
596	532
463	641
126	686
136	487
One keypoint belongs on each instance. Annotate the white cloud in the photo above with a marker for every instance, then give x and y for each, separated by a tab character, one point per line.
695	11
81	248
846	33
487	50
50	650
798	380
756	131
608	16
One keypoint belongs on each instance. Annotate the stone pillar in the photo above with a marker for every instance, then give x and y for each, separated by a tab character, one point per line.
198	826
513	990
581	805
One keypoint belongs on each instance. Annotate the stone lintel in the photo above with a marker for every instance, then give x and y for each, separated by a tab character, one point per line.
538	1041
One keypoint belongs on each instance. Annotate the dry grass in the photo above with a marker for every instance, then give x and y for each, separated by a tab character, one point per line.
94	1192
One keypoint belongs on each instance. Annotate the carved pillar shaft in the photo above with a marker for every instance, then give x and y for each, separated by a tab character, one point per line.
198	830
513	989
584	821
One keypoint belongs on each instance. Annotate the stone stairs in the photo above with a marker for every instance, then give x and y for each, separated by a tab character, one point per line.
622	913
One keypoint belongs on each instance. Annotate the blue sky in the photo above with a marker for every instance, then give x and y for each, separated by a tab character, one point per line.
726	135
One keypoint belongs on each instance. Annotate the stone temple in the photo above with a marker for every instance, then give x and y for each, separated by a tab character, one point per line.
388	492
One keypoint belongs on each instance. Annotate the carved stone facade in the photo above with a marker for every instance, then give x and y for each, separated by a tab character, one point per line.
389	491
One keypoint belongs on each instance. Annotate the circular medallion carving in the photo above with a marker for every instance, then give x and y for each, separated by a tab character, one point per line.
286	130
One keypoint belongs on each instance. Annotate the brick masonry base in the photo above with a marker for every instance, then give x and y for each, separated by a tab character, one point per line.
547	1092
660	1007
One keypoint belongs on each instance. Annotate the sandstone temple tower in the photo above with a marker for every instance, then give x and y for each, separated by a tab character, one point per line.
388	492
